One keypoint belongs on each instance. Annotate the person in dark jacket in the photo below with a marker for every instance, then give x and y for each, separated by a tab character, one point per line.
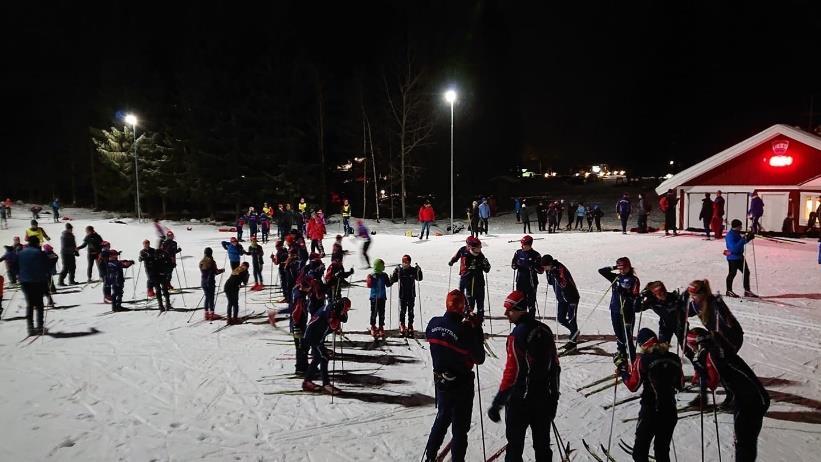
717	220
527	263
68	252
623	210
406	275
472	265
624	286
95	244
11	257
670	213
525	213
159	273
529	390
455	346
327	319
735	243
146	257
567	296
597	214
208	272
473	219
238	277
257	254
334	278
658	372
115	279
55	209
706	213
670	307
541	216
755	212
643	211
553	216
279	258
53	258
571	212
752	400
34	275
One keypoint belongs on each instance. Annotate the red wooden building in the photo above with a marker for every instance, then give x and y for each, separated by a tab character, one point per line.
782	164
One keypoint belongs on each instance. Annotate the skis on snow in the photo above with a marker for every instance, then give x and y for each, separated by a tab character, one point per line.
629	449
606	454
240	320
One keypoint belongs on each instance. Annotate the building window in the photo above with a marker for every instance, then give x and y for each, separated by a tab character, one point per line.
809	203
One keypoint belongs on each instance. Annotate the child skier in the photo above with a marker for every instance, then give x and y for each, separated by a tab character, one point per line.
102	267
328	319
670	307
115	279
235	252
12	266
238	277
279	258
298	322
567	296
265	227
159	273
209	271
169	245
334	277
378	281
527	265
472	263
316	232
52	271
625	290
407	276
257	261
337	253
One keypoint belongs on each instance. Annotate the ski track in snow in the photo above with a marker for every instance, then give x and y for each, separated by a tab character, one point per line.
151	387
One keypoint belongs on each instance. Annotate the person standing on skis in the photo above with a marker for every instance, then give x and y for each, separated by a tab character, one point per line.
378	282
169	245
257	254
159	273
208	272
735	243
527	265
335	277
658	372
625	289
455	346
755	212
68	253
406	275
472	265
239	277
706	213
115	279
567	296
484	215
670	213
327	319
34	275
316	232
623	210
529	390
426	216
146	256
235	252
346	217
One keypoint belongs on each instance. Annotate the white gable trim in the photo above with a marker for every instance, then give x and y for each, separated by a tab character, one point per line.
737	150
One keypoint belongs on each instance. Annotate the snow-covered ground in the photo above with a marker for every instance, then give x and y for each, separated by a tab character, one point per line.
137	386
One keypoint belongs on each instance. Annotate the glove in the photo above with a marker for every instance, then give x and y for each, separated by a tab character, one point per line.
473	320
450	263
620	361
76	253
494	413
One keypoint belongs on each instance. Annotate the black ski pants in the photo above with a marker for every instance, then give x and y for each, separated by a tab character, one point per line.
69	267
747	426
624	219
368	244
735	266
536	413
526	226
656	427
454	406
319	360
34	292
378	309
233	303
475	294
92	260
406	307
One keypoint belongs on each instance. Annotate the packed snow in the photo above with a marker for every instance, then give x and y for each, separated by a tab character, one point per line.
141	386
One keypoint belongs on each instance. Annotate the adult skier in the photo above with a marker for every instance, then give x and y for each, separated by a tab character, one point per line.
670	213
571	212
146	256
717	220
68	252
406	275
623	210
378	281
55	209
752	400
159	273
625	289
541	216
455	346
208	272
755	212
581	211
235	252
239	276
12	259
525	212
472	265
484	215
735	243
706	213
316	232
257	254
327	319
567	296
279	257
38	232
529	390
94	243
363	233
115	279
527	265
658	372
169	245
426	216
34	269
346	217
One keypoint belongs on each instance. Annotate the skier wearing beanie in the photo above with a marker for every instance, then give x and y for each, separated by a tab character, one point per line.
527	265
94	243
257	254
235	252
334	277
327	319
471	280
147	255
52	270
238	277
378	281
455	346
169	245
209	271
735	243
115	279
659	371
625	289
279	258
406	275
529	390
567	296
159	273
363	233
751	397
68	252
671	308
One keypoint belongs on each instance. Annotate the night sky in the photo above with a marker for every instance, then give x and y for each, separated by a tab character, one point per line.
632	84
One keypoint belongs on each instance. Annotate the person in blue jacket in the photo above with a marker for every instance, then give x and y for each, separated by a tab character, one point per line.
517	207
455	346
328	319
484	215
34	275
756	211
527	265
378	281
12	263
235	252
625	289
735	243
567	296
623	210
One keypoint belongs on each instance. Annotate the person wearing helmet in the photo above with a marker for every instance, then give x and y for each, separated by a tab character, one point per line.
527	265
625	290
239	277
378	282
235	252
658	372
472	265
327	319
94	243
529	390
406	275
68	252
208	272
567	296
116	280
456	344
752	399
257	254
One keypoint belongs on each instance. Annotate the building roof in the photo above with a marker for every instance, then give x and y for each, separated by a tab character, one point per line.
734	151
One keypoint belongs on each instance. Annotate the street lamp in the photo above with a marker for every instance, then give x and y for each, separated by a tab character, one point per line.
450	97
131	119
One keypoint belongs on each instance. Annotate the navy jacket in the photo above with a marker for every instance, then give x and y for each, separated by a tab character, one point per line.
407	278
529	266
532	369
34	265
455	346
562	282
625	288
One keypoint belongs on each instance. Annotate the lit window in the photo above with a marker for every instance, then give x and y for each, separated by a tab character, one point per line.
809	203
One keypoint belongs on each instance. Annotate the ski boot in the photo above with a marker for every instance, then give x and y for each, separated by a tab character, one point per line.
402	330
374	332
307	385
330	389
750	294
107	300
208	316
150	293
410	332
381	332
732	294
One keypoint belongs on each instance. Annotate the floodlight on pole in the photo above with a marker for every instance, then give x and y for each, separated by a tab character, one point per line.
131	119
450	97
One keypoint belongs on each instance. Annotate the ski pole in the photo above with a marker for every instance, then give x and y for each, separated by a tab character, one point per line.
184	276
599	302
559	441
613	414
219	284
715	419
489	315
194	310
182	292
450	272
333	374
421	313
755	269
136	280
701	412
481	413
390	307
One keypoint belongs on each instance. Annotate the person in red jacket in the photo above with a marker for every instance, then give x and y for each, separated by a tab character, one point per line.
316	232
426	217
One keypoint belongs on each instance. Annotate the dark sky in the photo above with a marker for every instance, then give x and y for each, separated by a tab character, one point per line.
633	84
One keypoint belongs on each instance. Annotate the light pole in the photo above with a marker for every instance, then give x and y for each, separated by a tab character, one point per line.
131	119
450	97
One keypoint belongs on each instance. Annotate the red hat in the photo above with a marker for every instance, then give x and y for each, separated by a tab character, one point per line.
473	241
455	302
253	238
289	238
514	301
233	239
169	233
527	240
113	254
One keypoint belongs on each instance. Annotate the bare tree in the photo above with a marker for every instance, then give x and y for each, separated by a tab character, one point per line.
409	106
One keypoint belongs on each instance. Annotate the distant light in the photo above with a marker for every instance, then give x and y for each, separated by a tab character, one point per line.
450	96
131	119
242	176
596	169
671	162
621	172
382	191
668	176
577	174
553	174
359	159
